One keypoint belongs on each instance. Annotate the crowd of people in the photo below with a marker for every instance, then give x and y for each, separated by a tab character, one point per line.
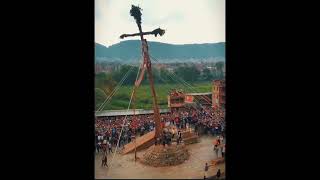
203	120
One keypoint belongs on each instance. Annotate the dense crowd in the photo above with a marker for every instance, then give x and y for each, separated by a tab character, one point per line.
204	120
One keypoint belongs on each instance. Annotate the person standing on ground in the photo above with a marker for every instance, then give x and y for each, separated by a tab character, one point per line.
216	129
164	141
173	132
160	139
206	169
221	139
215	142
125	138
196	128
104	142
98	146
121	143
179	137
110	147
104	148
216	149
129	136
218	140
104	160
142	131
223	149
218	174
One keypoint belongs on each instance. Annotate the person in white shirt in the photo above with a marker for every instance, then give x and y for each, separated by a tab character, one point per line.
223	150
109	146
221	139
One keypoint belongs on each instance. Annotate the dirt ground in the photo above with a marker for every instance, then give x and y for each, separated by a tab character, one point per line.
123	166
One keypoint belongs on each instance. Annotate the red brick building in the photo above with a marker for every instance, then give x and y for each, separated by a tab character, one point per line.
218	94
179	99
176	99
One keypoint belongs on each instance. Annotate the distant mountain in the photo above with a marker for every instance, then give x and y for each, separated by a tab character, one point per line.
130	51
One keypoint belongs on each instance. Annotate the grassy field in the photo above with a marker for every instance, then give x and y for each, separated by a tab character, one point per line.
144	97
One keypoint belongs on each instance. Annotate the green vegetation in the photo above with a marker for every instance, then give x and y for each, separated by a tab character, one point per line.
143	95
164	81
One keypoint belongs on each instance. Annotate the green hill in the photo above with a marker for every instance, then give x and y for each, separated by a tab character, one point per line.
128	51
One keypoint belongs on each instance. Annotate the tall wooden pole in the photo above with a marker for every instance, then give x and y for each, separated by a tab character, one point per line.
147	63
136	13
156	112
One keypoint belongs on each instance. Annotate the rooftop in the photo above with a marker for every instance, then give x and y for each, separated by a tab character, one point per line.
127	112
199	94
218	82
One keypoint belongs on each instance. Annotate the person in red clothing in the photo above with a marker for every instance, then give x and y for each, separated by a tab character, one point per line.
215	142
162	123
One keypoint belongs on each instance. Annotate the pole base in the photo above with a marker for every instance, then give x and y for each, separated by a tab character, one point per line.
159	156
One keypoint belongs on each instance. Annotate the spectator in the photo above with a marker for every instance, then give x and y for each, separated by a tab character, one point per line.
218	174
216	149
110	147
104	160
221	139
98	147
179	137
204	120
218	140
206	169
223	149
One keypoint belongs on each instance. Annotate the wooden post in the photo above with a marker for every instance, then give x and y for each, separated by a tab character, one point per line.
135	149
135	12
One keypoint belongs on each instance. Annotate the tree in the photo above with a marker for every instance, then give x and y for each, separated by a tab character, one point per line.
124	69
220	66
165	76
100	97
207	74
105	82
188	73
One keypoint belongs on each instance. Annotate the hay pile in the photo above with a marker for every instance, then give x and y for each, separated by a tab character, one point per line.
159	156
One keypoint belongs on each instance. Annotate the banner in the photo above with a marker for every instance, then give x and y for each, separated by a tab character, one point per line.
188	99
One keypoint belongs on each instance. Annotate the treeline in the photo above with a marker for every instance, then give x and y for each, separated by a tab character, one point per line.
188	73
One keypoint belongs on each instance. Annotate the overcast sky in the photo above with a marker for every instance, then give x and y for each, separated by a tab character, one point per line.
185	21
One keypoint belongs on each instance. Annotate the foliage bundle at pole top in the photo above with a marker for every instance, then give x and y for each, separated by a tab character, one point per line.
158	31
136	13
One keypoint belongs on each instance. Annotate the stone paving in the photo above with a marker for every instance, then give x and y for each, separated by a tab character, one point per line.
124	166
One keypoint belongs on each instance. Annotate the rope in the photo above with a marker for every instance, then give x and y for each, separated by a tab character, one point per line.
165	83
187	87
107	100
125	118
182	88
184	82
190	87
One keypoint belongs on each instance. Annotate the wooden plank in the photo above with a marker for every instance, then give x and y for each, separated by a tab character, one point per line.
140	142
